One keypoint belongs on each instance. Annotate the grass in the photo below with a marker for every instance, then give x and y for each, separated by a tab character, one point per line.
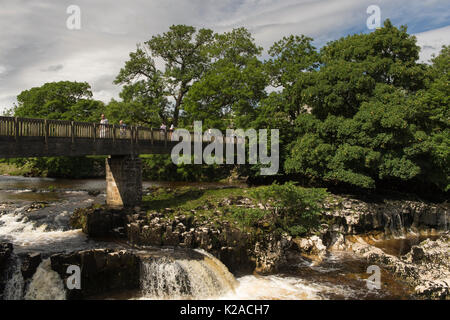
205	205
290	208
14	170
188	198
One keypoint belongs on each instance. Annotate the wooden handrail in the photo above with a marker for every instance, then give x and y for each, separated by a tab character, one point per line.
47	128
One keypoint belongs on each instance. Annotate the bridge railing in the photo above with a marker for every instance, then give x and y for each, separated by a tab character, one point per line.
58	128
25	127
84	130
7	126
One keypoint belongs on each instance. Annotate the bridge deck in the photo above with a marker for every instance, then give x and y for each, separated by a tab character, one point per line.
21	137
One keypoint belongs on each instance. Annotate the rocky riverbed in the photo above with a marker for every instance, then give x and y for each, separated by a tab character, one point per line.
120	251
348	223
426	266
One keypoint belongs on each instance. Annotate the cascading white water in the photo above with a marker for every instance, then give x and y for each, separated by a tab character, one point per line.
42	230
46	284
15	282
168	278
15	227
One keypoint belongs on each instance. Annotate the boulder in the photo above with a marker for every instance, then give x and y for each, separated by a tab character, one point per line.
99	222
311	246
102	271
30	262
6	250
270	253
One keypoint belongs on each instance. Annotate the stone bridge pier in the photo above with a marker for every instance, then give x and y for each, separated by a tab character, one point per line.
123	181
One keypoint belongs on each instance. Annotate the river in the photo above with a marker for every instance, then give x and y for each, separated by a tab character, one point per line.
34	215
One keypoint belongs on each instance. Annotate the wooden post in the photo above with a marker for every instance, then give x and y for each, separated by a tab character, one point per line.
46	132
16	128
165	138
151	132
95	132
132	137
72	132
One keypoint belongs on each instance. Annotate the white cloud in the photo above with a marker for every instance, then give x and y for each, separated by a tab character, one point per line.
36	47
432	41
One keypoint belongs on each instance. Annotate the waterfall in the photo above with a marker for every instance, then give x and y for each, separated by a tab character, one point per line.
187	278
46	284
15	284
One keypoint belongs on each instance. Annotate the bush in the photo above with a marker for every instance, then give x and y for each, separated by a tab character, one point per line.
295	210
248	217
158	167
63	167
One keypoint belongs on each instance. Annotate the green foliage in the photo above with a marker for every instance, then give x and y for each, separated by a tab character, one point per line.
188	198
248	217
13	168
361	111
64	167
376	114
215	78
62	100
229	91
294	209
161	168
132	113
184	52
288	208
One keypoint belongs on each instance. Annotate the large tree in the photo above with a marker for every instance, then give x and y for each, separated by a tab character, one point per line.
377	114
64	100
292	61
229	92
161	91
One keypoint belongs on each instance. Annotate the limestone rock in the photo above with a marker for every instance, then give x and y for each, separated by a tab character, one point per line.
426	266
311	246
354	216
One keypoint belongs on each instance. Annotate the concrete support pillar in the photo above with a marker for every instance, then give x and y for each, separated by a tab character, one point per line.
123	181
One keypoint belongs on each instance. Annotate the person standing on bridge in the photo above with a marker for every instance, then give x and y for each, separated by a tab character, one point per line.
172	128
123	129
163	130
103	126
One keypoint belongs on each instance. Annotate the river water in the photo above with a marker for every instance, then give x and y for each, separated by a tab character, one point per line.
34	215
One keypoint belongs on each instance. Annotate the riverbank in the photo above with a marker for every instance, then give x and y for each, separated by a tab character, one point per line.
11	169
59	167
154	168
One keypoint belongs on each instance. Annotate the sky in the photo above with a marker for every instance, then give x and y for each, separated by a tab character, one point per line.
36	46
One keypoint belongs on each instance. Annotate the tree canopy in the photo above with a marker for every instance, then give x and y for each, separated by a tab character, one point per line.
161	91
64	100
360	111
372	114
